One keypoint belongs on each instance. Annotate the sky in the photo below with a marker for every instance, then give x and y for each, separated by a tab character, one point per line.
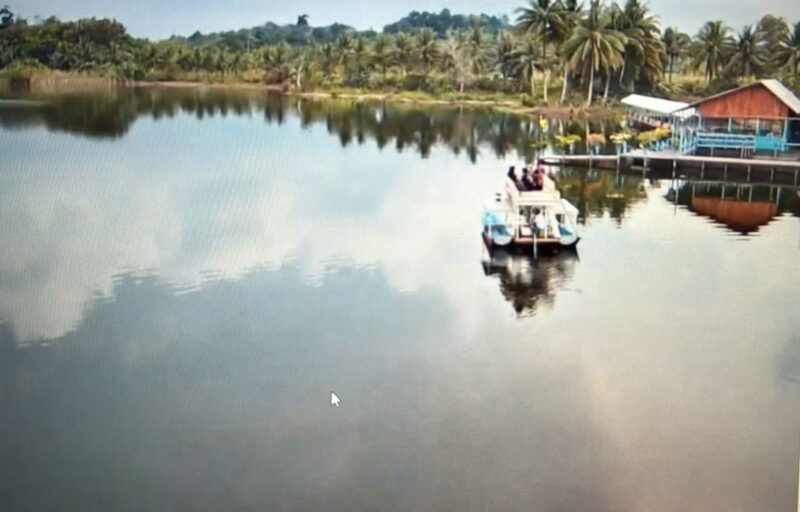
158	19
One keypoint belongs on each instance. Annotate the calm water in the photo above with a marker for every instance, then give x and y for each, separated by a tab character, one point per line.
184	278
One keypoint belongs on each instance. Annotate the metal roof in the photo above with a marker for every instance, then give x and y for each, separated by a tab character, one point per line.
783	93
774	86
657	105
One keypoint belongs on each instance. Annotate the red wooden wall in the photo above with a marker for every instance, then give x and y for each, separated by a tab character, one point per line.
751	102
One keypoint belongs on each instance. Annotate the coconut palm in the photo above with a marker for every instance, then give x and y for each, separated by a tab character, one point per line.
327	54
476	43
404	50
427	48
595	46
788	52
675	44
383	54
773	30
644	51
570	17
528	59
713	48
748	56
503	55
344	48
545	20
360	54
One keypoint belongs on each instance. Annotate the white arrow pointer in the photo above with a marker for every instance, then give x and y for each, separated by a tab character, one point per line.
335	399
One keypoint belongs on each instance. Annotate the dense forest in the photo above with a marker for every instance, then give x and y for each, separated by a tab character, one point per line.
558	50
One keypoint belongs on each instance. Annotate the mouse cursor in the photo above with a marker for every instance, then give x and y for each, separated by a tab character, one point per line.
335	399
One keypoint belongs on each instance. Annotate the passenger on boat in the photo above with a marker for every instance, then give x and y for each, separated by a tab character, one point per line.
527	179
512	173
538	178
540	223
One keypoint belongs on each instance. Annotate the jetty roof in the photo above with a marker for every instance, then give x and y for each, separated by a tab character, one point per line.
653	104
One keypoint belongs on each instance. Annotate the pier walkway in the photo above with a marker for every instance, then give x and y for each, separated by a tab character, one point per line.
777	172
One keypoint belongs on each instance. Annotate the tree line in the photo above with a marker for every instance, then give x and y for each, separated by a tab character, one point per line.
553	50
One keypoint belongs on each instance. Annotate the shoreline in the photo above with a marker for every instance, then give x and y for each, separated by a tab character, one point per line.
510	104
500	102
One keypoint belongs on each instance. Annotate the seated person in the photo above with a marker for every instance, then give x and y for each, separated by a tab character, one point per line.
512	175
538	179
540	223
528	179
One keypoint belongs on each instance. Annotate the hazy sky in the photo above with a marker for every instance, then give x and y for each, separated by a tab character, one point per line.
162	18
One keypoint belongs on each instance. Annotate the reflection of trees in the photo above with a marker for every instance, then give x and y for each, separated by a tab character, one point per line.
530	284
420	128
596	192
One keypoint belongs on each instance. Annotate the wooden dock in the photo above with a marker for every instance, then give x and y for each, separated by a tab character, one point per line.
671	164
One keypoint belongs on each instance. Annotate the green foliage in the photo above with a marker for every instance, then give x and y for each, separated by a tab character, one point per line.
567	141
602	47
621	137
649	137
444	22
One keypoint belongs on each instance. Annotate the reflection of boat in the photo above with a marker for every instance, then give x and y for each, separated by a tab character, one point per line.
529	283
526	218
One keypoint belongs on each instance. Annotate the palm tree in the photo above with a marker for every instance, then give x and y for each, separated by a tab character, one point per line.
404	50
748	53
328	55
277	59
528	59
343	49
644	51
544	19
475	45
713	48
773	30
595	46
571	15
788	52
503	55
383	54
675	45
427	48
360	54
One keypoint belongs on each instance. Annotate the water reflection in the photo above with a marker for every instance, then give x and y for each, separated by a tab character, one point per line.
177	303
529	284
597	193
741	208
463	130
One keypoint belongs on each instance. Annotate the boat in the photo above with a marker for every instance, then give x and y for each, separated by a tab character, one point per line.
509	218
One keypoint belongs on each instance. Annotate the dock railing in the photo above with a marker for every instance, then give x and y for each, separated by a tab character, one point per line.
710	140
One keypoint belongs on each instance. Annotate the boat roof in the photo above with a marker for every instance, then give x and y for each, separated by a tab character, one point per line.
653	104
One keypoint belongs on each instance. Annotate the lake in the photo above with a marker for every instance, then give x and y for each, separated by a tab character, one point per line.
186	275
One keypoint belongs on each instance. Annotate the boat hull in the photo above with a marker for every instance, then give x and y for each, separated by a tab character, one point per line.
521	244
